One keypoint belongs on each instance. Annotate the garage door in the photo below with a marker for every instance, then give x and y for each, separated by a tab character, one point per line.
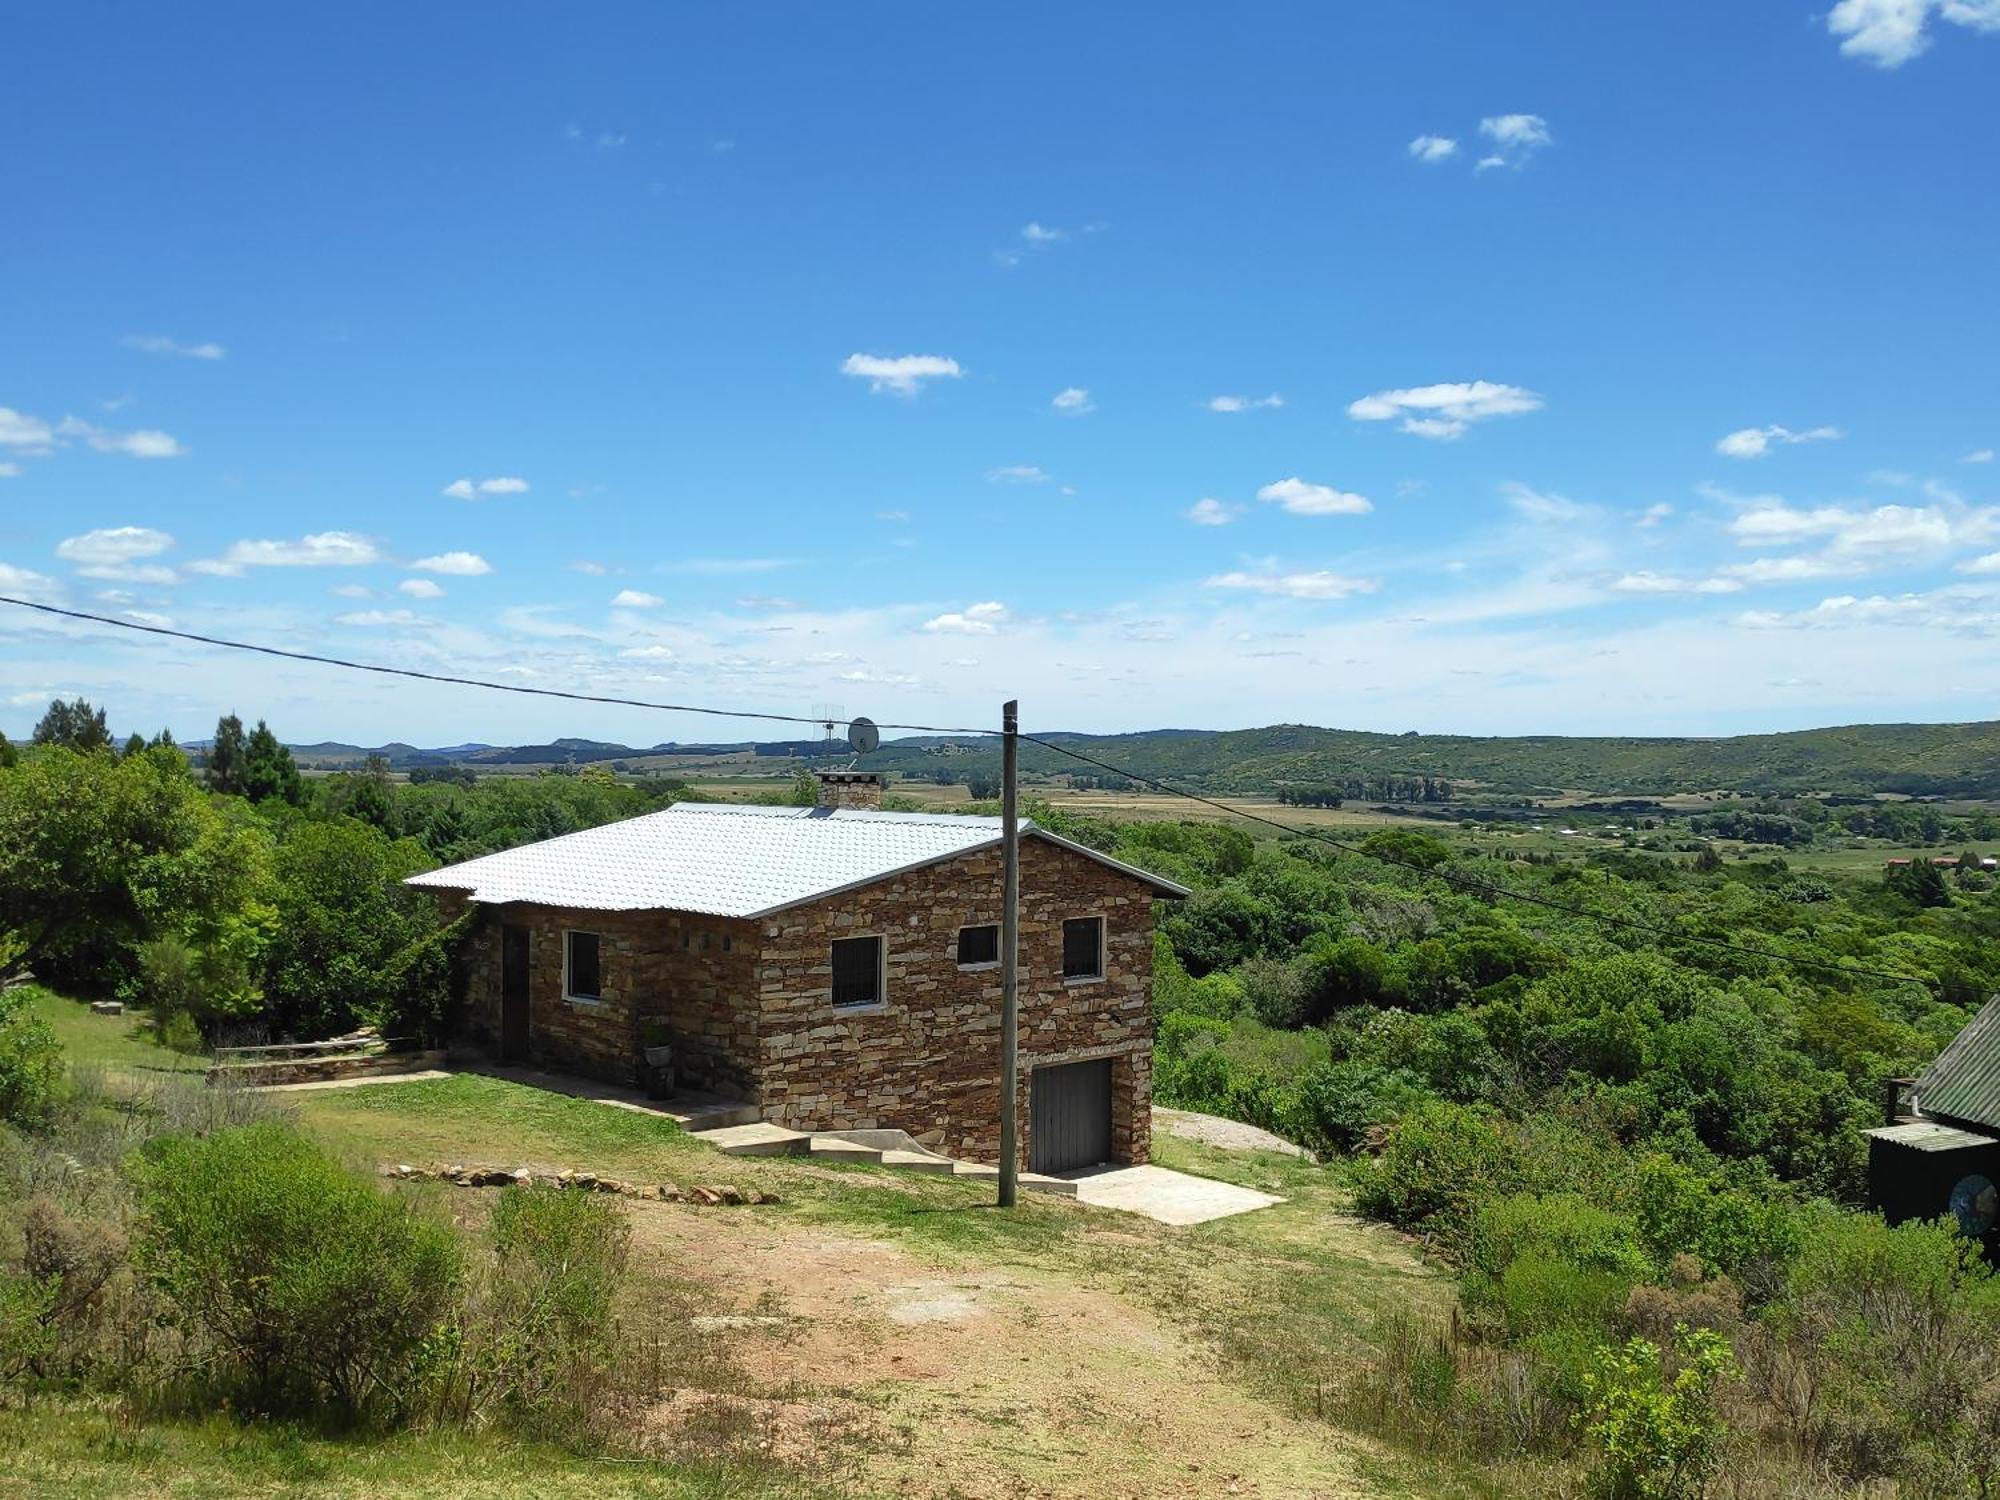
1070	1116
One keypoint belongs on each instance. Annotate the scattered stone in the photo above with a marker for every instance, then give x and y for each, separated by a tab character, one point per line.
107	1007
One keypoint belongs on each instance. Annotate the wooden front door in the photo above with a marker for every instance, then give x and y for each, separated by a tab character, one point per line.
513	993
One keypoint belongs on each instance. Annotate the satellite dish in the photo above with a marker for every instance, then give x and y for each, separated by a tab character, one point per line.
863	736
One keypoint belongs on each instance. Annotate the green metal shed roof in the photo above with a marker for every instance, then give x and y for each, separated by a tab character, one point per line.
1963	1085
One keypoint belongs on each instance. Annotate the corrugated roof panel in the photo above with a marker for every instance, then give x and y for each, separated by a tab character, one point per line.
1928	1135
726	859
1964	1083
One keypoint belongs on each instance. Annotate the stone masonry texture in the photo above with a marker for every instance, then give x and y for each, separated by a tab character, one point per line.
748	1004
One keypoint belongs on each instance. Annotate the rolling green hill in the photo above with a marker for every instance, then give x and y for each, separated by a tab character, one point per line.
1947	760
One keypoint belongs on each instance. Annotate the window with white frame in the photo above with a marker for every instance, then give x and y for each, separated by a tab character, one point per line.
1083	948
583	971
858	977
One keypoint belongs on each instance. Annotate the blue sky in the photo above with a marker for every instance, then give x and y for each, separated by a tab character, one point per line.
1567	367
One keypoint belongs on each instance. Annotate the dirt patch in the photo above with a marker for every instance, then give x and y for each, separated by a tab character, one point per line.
985	1380
1229	1135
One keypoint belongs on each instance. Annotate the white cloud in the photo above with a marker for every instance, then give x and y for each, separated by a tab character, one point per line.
1665	583
1515	138
1073	401
1755	442
902	375
1978	456
594	569
977	619
1318	585
155	573
324	549
1211	512
894	517
19	430
215	567
26	583
152	343
647	653
377	618
142	444
1042	234
113	546
454	564
1888	33
353	591
1545	508
1862	535
1444	411
10	471
1017	474
1231	404
1990	563
1303	499
1652	515
472	489
1433	148
635	599
420	588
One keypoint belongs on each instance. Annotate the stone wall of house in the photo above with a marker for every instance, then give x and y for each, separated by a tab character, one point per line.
698	974
928	1059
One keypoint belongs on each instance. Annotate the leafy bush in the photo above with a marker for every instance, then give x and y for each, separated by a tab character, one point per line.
30	1061
315	1289
1658	1436
1442	1162
1338	1103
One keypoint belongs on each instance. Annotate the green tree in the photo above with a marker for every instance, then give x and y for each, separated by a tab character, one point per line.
9	755
30	1060
224	761
1658	1437
342	916
269	770
135	744
74	725
1919	882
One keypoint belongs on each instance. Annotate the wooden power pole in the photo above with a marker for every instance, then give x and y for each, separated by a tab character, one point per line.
1010	942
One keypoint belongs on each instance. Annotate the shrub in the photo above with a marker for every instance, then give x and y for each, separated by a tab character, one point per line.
315	1289
550	1349
1562	1226
1441	1163
1339	1102
30	1061
1658	1437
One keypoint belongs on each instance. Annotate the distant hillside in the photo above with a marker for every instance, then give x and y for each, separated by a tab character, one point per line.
1934	760
1946	760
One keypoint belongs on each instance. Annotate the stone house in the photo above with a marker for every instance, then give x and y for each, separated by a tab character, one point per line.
837	965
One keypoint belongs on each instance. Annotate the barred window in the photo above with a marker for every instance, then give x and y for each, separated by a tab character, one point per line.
857	972
1083	948
978	945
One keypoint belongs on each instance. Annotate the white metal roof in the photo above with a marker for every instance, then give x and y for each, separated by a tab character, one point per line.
1928	1135
730	860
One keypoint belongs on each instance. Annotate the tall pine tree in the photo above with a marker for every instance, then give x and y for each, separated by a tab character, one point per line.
268	768
76	725
225	756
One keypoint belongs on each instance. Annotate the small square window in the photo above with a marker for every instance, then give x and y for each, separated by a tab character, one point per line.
978	945
583	977
1083	948
857	972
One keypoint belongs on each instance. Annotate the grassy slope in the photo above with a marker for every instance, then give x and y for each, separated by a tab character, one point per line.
106	1041
1280	1298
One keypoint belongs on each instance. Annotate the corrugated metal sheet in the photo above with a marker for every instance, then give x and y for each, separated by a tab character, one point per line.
1928	1135
729	860
1963	1085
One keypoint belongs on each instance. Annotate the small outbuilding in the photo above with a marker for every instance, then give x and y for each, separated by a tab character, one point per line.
1940	1156
837	965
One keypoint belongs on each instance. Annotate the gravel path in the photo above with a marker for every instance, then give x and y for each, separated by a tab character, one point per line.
1230	1135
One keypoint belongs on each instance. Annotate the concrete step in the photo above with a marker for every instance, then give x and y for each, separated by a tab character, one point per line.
920	1161
718	1117
759	1139
830	1148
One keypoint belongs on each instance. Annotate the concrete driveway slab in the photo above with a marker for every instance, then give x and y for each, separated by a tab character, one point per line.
1166	1195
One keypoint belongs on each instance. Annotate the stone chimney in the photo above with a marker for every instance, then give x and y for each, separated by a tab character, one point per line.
850	789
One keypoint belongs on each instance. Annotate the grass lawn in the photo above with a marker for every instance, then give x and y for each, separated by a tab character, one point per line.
82	1452
106	1041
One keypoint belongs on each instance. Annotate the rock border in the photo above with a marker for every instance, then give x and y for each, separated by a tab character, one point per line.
454	1174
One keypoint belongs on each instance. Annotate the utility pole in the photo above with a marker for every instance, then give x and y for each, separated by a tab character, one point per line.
1010	943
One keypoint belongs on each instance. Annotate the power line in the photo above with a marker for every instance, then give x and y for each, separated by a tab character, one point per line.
1454	878
498	687
1473	882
